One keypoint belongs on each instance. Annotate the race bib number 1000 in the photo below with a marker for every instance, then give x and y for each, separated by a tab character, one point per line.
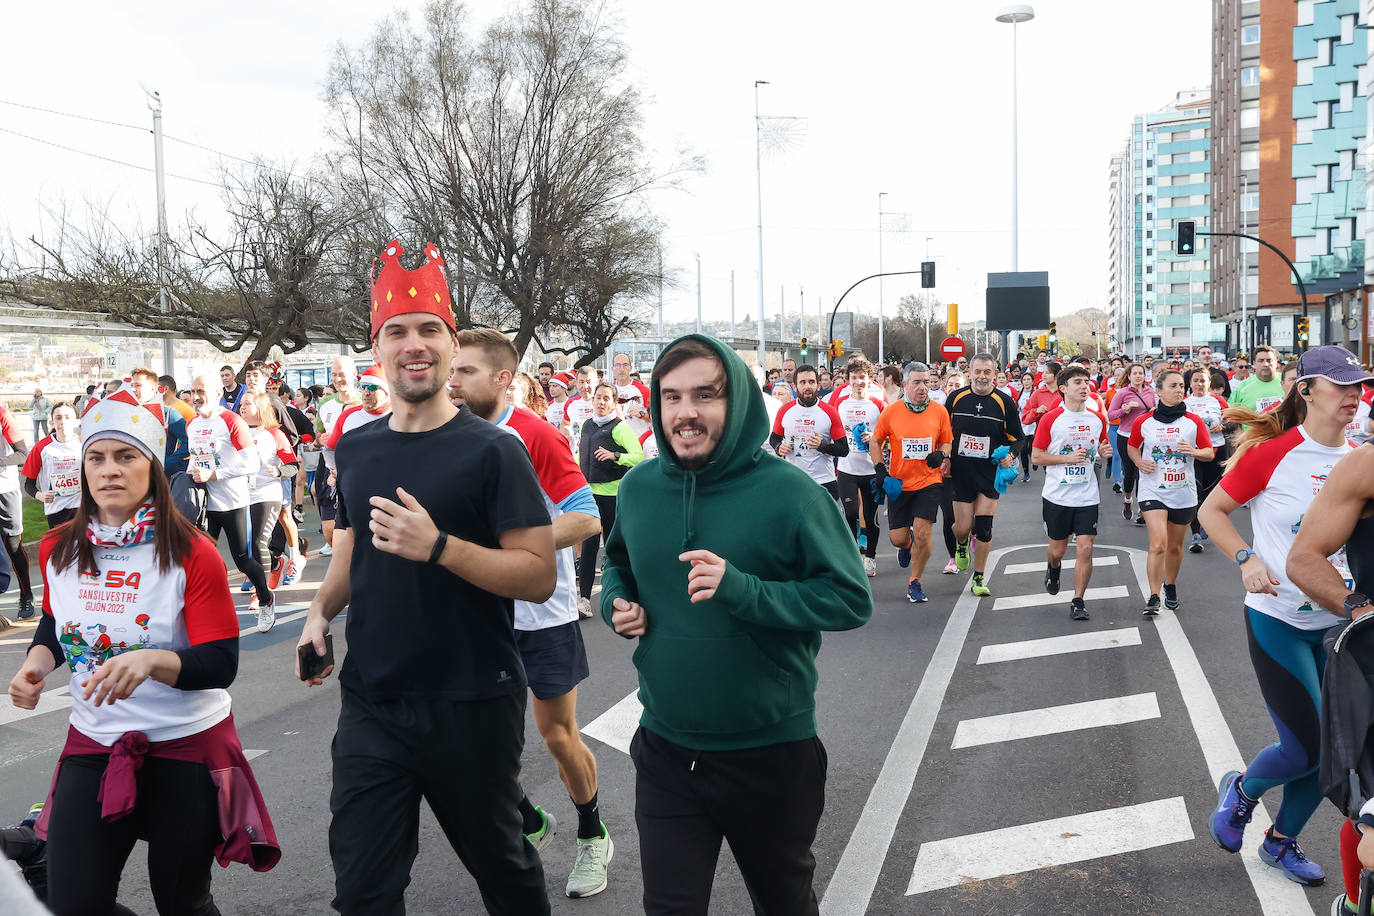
1174	478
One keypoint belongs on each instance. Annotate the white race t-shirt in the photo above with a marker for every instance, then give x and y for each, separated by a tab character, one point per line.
1279	479
578	411
1061	432
1209	408
856	412
1357	430
56	466
796	423
130	605
274	450
1173	481
223	443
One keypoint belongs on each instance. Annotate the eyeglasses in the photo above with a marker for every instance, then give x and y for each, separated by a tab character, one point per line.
371	387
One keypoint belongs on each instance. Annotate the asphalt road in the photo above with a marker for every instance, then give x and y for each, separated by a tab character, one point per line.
979	762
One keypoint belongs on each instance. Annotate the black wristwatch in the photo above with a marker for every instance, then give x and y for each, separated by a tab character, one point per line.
1353	602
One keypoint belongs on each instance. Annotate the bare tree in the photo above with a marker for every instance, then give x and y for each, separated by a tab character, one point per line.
519	154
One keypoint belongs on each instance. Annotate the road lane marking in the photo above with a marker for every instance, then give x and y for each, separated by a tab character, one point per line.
1055	720
1059	645
1067	563
1012	602
616	726
296	611
1277	895
1045	844
851	886
250	754
48	701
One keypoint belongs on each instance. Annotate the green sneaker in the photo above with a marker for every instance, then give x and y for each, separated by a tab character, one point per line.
542	837
961	557
589	868
979	587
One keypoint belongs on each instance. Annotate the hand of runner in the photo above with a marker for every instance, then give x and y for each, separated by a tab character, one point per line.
27	685
784	448
202	474
1008	461
603	454
1186	448
313	635
46	496
1146	467
1106	450
628	618
815	440
1257	577
1041	409
117	678
705	575
403	528
1077	456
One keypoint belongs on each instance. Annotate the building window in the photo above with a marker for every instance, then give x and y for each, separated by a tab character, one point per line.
1149	287
1250	35
1149	233
1249	76
1249	117
1250	201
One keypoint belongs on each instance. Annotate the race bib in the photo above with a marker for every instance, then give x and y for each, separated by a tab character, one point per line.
1173	478
204	460
915	449
1076	473
974	446
1263	404
65	476
800	448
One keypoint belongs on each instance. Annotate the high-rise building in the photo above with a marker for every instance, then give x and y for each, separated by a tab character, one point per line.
1159	300
1290	118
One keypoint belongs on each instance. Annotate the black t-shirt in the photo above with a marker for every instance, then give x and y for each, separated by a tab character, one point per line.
981	423
417	629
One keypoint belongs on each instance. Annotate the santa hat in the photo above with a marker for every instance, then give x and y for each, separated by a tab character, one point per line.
120	416
373	374
397	291
563	380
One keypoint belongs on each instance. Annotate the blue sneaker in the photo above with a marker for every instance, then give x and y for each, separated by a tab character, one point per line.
247	586
1227	823
1287	854
904	557
914	593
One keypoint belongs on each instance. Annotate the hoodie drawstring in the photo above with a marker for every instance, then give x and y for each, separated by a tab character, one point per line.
689	499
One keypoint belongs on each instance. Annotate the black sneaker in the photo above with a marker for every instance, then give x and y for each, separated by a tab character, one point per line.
1052	579
1140	519
1126	510
1116	488
1151	607
1171	596
26	609
1076	609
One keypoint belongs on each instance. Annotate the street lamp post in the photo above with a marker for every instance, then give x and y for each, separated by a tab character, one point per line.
758	172
929	308
1014	14
881	195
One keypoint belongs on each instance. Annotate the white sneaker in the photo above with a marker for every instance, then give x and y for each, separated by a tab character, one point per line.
870	566
327	551
584	608
951	568
267	616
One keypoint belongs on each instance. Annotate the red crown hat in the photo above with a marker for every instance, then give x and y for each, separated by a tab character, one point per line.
397	291
120	416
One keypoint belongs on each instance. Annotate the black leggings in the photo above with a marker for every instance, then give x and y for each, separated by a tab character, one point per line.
234	524
1026	460
262	519
1208	474
177	812
856	490
947	513
1130	474
19	562
586	566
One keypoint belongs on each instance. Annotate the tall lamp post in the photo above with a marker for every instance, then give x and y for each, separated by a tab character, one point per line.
881	195
1015	13
758	173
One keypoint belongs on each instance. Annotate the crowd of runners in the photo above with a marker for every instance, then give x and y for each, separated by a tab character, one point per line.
494	501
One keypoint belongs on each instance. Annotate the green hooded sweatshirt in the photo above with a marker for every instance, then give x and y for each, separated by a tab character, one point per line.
739	670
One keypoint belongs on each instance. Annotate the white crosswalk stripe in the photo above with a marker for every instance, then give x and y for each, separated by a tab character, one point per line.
1013	569
1055	720
1059	645
1011	602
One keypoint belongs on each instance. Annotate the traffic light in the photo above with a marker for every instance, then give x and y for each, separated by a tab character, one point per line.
1183	244
1053	335
1302	333
1043	342
803	348
927	275
836	348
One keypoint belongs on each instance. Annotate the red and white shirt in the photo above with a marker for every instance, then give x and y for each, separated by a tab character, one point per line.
1357	430
578	410
1173	481
1279	479
274	450
854	412
1062	432
559	477
223	443
554	413
9	434
796	424
352	418
649	443
130	604
1209	408
635	391
56	466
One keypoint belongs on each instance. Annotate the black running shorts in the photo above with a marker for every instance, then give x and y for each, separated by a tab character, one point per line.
913	504
1182	516
555	659
968	487
1062	521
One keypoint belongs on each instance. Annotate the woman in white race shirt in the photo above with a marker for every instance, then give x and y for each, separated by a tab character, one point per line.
1022	399
276	461
1202	402
1163	445
1281	463
52	470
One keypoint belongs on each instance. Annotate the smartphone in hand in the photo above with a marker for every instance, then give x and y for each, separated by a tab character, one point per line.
312	663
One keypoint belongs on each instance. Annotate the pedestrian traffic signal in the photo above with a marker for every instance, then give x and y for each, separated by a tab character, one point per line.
927	275
1053	335
1183	244
1302	332
803	348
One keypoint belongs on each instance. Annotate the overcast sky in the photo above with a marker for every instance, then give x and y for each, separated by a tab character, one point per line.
908	98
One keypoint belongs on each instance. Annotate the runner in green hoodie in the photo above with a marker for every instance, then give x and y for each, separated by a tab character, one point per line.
727	563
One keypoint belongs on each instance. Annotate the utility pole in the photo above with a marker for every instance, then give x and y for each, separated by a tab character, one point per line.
732	305
698	294
660	298
154	100
881	195
1244	267
758	170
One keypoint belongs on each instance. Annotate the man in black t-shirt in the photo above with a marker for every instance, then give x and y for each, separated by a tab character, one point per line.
441	524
